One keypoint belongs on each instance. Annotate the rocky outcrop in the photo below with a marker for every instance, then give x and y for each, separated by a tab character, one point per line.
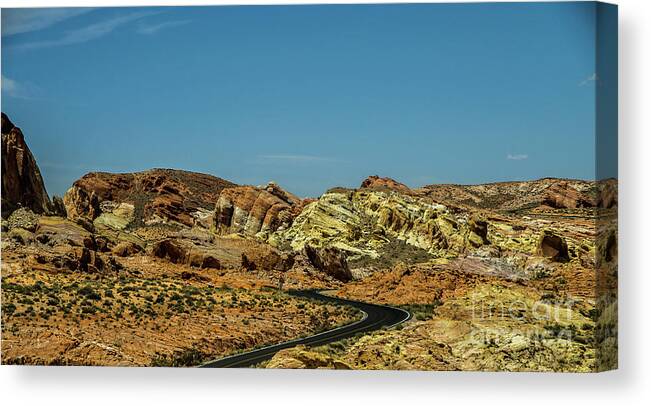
22	184
251	210
364	221
221	253
156	196
553	246
330	261
126	249
477	232
81	203
376	182
563	196
55	244
180	252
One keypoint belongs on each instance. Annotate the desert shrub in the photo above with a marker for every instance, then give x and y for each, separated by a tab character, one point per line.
9	308
88	310
89	293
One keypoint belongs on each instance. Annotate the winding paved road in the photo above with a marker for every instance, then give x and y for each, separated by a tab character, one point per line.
375	317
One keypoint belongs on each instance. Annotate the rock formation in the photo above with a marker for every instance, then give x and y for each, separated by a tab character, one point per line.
376	182
363	221
22	184
553	246
563	196
511	196
251	210
180	252
156	196
330	261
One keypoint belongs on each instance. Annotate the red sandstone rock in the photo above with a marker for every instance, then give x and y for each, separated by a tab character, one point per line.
157	194
374	182
22	184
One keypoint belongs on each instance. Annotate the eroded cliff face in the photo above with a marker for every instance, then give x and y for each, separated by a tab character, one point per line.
22	184
255	211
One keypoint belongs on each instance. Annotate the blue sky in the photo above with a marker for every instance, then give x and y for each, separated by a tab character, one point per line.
308	96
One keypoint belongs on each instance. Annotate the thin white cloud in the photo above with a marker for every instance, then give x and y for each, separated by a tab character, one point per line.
9	85
154	28
88	33
517	157
18	21
590	79
18	90
293	158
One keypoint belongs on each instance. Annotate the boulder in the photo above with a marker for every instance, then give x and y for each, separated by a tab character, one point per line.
329	260
89	261
81	203
477	232
170	250
267	258
203	260
57	231
203	218
76	259
22	184
184	252
126	249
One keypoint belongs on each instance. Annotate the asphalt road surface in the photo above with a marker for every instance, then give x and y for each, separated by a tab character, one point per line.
375	317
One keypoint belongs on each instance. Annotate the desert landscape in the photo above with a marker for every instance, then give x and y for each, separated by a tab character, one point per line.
167	267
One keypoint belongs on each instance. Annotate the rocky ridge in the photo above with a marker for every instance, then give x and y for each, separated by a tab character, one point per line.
547	193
